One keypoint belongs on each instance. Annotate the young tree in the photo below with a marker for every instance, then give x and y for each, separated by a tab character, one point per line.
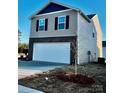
74	50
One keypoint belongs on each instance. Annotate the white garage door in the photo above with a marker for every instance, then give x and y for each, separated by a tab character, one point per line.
52	52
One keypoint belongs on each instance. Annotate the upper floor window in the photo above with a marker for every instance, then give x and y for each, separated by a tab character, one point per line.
42	24
61	22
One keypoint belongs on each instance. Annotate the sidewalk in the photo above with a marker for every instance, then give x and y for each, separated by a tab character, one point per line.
22	89
22	73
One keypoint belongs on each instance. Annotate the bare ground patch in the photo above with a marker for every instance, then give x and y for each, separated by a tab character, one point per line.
50	83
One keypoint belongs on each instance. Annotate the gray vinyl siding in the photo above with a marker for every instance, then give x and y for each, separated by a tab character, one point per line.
51	32
86	42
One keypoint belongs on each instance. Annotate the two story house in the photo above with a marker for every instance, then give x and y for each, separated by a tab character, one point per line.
64	34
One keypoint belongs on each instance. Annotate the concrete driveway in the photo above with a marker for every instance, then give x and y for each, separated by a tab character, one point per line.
27	68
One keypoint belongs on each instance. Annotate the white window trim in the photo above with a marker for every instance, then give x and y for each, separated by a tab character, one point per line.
43	25
62	22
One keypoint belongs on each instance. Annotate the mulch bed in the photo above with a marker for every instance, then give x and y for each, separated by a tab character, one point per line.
76	78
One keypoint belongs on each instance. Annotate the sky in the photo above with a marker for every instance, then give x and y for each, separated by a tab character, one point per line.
27	7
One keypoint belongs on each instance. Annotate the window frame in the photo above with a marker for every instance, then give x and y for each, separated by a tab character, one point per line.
93	33
62	22
41	25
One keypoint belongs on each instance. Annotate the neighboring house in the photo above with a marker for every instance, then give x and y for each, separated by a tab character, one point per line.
104	48
61	33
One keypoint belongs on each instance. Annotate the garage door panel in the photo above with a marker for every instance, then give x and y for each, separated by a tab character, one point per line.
52	52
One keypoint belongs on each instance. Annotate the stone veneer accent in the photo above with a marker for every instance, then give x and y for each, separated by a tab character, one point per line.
71	39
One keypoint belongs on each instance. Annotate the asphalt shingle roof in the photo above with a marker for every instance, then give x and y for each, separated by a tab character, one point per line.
91	16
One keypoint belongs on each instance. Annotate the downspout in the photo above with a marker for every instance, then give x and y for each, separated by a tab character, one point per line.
77	38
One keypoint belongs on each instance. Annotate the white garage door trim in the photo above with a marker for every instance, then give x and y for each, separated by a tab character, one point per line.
52	52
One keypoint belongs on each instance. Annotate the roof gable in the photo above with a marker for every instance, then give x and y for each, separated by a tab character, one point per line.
52	7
